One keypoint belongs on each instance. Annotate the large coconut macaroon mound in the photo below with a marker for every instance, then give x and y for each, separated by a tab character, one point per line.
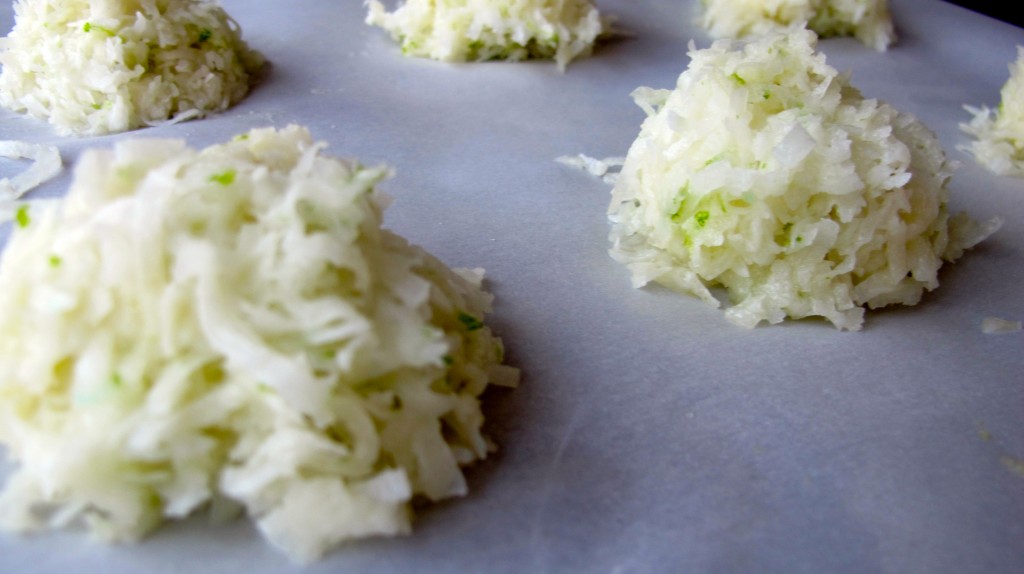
867	20
476	30
92	67
999	133
228	328
765	173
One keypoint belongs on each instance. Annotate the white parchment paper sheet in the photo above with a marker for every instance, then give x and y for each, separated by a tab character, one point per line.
649	435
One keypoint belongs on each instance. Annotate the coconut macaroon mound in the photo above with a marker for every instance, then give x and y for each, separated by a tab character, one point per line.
765	173
477	30
92	68
999	133
867	20
232	328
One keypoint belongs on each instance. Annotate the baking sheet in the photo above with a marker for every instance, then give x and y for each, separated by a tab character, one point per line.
649	434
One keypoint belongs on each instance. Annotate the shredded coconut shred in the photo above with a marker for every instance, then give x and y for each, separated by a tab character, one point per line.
766	173
232	328
92	68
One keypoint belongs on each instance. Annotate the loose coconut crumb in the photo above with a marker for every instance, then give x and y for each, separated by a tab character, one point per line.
867	20
478	30
607	169
998	326
92	68
46	164
766	173
1014	465
999	133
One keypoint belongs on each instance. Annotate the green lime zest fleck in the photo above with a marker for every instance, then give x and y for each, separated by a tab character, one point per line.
701	217
684	192
739	79
225	178
984	434
21	216
55	261
205	35
89	27
470	322
116	380
678	215
718	157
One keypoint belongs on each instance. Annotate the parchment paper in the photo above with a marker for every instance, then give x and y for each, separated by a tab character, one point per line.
649	434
